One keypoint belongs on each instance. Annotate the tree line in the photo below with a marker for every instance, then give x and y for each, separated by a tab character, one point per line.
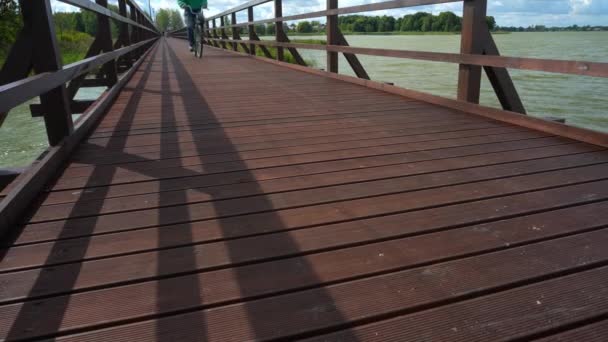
418	22
543	28
168	20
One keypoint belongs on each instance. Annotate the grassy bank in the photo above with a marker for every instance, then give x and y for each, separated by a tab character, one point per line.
73	46
287	55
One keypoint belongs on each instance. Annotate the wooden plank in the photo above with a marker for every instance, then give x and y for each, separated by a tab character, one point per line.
417	159
296	183
39	254
394	114
190	149
594	332
512	314
544	261
439	223
357	204
581	134
262	211
220	163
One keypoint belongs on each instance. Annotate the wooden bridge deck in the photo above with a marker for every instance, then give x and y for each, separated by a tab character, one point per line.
230	199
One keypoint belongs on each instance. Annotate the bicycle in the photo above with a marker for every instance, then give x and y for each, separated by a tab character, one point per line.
199	21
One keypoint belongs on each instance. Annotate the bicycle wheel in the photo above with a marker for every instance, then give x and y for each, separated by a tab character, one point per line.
200	47
198	42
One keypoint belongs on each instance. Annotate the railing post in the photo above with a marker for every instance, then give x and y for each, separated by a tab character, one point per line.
46	57
133	16
278	12
252	47
235	33
332	37
124	40
473	29
105	34
223	32
208	32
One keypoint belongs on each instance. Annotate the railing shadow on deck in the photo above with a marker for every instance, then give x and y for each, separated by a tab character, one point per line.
31	318
49	319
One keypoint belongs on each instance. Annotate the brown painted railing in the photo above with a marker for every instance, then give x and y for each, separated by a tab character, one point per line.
478	49
36	50
112	61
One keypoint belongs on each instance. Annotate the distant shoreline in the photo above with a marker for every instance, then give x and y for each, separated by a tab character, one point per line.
400	33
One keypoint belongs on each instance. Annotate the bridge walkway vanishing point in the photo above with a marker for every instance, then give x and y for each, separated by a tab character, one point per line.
231	199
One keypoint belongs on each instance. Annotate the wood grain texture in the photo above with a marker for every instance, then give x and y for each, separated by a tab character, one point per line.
205	207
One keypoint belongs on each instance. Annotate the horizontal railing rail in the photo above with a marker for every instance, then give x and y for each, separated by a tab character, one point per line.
380	6
14	94
595	69
478	50
112	61
98	9
36	49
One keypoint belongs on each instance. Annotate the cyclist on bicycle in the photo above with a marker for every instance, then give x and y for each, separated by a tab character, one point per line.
192	10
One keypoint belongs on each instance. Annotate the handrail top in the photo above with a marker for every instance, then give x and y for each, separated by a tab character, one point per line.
93	7
240	8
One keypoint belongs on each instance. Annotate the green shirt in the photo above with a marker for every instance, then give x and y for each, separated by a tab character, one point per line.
194	4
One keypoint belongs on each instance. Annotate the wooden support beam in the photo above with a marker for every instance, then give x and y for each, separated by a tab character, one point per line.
278	12
18	63
332	37
501	79
294	52
236	36
352	59
46	58
235	32
77	82
264	49
76	107
472	40
223	32
104	33
252	47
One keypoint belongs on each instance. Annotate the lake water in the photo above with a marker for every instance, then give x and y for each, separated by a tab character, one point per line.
581	100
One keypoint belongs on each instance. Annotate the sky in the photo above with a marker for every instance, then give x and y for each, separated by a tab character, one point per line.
506	12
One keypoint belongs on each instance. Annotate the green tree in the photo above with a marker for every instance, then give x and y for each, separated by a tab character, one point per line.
491	23
426	24
163	19
176	21
89	22
359	25
304	27
260	30
64	22
407	24
270	29
10	24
